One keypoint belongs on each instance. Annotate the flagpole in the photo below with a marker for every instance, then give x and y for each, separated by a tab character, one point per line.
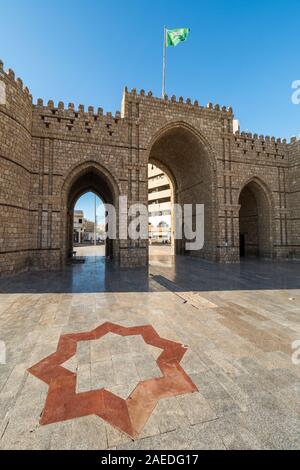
164	65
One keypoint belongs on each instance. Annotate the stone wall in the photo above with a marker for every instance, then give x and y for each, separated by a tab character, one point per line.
292	197
50	154
15	172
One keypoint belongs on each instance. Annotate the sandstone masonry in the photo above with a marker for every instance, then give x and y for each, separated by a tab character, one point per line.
51	154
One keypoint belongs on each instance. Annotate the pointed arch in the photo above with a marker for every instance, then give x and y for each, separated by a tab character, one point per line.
262	184
185	154
173	125
255	218
87	176
90	166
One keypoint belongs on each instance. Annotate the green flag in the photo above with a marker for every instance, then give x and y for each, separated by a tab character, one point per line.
175	36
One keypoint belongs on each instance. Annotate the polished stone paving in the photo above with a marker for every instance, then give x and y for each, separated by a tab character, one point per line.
237	321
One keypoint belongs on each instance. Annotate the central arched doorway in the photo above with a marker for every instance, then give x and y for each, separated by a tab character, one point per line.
160	212
187	160
88	177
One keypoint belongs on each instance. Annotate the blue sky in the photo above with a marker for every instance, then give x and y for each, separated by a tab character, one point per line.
240	53
86	204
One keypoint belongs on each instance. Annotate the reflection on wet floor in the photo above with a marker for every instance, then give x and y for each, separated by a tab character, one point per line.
180	273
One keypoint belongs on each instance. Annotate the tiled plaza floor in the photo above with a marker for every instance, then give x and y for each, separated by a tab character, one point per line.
236	324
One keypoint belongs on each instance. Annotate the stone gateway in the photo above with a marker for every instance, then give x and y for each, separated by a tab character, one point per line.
51	154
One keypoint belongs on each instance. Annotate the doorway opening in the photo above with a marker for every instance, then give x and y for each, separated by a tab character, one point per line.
89	231
160	209
254	222
185	158
87	182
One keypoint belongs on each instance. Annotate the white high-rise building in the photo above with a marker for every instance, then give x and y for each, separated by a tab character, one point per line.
159	206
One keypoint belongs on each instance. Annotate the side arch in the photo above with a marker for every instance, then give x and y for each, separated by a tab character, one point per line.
84	168
262	184
87	176
255	218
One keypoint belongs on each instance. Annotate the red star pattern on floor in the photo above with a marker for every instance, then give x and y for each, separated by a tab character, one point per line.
130	415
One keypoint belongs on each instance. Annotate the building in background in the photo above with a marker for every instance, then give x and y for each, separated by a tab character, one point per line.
236	125
159	206
78	226
83	229
88	230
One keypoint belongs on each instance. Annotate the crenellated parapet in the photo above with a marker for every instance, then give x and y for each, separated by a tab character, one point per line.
58	119
260	146
15	119
294	152
173	102
16	100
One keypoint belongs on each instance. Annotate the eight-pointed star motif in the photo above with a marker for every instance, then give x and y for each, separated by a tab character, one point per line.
130	415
